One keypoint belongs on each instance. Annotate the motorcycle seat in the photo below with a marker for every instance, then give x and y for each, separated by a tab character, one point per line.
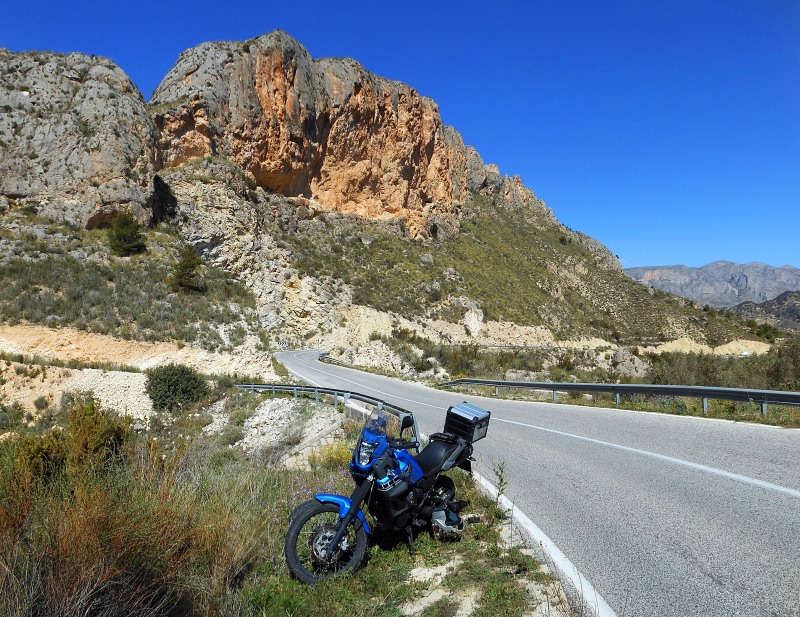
435	455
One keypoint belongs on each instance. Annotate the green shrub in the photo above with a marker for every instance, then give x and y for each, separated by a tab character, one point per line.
125	236
174	386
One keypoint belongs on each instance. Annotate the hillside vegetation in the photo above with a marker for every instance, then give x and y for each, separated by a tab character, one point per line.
57	275
516	265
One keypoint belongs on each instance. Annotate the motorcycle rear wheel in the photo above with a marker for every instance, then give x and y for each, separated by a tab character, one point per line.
310	531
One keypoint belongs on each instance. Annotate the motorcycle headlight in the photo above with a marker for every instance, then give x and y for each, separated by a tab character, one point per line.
365	453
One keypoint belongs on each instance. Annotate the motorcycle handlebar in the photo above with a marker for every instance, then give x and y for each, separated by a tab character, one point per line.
405	445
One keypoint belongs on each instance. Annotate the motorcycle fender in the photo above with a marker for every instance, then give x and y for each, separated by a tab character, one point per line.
344	504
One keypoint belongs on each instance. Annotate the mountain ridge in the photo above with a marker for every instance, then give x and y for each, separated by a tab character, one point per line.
721	284
782	311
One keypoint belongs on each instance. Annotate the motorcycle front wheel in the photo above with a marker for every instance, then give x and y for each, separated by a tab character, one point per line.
311	530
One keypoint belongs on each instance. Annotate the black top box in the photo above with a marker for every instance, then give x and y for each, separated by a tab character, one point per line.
467	421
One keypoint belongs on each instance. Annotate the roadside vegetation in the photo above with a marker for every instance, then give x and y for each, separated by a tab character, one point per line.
779	369
98	518
787	416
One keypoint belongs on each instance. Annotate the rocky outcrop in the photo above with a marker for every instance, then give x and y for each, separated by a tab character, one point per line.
76	140
326	130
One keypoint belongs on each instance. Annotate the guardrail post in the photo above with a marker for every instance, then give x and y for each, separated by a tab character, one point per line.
295	394
496	391
335	400
316	395
616	398
764	409
346	399
380	406
705	406
555	394
273	391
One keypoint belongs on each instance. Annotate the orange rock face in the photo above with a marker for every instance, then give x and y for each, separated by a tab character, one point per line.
327	129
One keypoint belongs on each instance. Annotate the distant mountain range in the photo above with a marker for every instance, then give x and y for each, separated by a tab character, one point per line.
721	284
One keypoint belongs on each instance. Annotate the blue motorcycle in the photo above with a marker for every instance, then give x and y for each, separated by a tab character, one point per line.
328	534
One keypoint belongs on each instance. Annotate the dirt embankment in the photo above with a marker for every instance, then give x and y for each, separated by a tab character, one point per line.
123	391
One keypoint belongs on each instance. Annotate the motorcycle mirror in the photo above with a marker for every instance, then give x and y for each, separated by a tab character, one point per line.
406	422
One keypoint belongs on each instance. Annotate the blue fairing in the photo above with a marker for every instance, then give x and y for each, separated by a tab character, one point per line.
344	504
416	470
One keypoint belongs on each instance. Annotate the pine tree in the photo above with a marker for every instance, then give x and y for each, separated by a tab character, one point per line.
125	236
184	275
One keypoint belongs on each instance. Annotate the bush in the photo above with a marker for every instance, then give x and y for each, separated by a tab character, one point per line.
125	236
174	386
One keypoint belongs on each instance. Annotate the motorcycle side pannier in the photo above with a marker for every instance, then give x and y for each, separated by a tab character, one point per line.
467	421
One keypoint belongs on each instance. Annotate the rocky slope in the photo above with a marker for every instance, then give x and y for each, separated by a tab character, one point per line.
782	312
721	283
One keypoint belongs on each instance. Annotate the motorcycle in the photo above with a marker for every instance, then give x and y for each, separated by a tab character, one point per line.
328	534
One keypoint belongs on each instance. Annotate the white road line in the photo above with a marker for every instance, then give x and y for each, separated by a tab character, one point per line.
591	599
677	461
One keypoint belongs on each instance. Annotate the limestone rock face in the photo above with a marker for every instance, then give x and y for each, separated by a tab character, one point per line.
324	129
76	139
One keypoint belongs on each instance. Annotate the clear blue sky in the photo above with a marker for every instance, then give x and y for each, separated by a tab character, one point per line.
669	129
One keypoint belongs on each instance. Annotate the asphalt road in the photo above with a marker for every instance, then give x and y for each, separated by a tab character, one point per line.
666	516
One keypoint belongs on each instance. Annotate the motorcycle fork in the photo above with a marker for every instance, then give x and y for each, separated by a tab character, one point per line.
356	499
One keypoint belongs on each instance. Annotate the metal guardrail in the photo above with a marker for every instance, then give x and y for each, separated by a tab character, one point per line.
344	395
335	394
326	357
775	397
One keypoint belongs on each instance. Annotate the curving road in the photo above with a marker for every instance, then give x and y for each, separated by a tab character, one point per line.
665	515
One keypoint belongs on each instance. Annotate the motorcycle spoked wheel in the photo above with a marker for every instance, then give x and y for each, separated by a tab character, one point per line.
310	532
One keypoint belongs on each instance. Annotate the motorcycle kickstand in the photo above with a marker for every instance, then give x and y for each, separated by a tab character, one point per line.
410	540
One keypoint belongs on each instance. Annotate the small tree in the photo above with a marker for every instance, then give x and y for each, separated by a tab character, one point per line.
173	386
125	236
184	275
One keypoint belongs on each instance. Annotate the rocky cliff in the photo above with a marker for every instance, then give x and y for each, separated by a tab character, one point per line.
76	139
306	180
325	129
721	283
